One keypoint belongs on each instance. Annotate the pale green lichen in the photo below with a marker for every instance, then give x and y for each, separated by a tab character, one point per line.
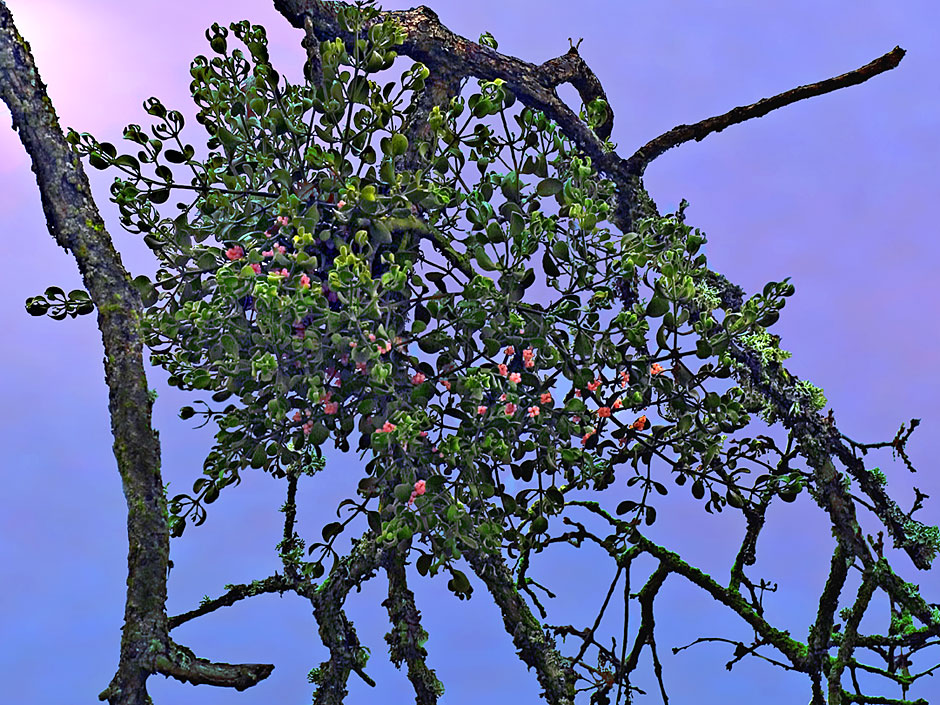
923	536
706	297
765	345
810	394
902	623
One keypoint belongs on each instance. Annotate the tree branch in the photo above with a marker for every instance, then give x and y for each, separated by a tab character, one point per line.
554	672
336	631
406	638
684	133
183	665
235	593
74	222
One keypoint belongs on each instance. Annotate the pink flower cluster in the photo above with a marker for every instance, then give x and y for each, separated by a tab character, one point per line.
270	253
307	426
527	355
515	377
418	490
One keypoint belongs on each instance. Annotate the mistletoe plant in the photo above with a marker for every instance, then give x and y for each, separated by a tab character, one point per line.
303	287
294	313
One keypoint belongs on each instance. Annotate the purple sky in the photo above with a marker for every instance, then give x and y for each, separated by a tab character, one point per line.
834	192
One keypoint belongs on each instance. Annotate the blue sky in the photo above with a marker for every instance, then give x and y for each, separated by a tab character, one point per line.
836	192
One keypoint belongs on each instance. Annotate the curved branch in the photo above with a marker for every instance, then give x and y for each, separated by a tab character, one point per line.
445	52
685	133
182	664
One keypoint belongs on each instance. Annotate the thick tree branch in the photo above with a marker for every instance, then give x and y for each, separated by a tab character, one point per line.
75	223
183	665
820	633
684	133
406	638
554	672
336	631
447	53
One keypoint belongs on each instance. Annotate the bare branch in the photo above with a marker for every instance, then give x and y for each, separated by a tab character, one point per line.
684	133
235	593
554	672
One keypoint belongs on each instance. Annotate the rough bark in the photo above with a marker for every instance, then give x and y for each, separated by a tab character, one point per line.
74	222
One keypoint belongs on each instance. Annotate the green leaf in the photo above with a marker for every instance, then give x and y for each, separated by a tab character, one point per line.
174	156
399	144
318	434
583	345
402	491
495	233
375	522
548	264
331	530
460	581
483	259
422	314
423	563
492	346
148	294
159	195
516	224
702	349
657	306
128	161
230	344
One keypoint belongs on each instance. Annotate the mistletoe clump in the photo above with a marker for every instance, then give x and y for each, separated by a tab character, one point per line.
299	280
